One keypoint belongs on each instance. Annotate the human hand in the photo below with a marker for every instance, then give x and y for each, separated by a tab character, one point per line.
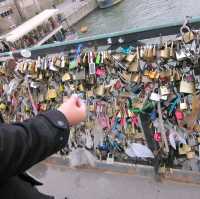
74	110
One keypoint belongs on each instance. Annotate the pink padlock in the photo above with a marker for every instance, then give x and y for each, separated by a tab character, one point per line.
100	72
118	85
179	115
157	136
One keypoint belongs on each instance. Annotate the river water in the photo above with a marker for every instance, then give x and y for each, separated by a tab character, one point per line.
138	13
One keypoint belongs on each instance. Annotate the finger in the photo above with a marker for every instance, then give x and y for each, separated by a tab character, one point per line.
78	102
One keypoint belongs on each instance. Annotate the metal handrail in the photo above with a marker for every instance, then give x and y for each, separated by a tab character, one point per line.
128	36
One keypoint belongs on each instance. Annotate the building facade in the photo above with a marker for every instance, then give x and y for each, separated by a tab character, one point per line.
14	12
9	16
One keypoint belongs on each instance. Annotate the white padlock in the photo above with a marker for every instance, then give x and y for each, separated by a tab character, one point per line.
186	86
155	96
110	158
164	90
183	104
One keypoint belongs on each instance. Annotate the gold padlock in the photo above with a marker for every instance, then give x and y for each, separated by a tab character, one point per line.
191	155
162	170
91	107
187	87
89	93
165	53
2	107
81	87
172	52
57	61
51	94
131	57
184	149
188	37
135	77
134	66
100	90
66	77
153	74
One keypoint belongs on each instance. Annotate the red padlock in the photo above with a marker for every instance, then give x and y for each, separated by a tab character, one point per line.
118	85
179	115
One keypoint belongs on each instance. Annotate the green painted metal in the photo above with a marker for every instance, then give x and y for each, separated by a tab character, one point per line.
144	30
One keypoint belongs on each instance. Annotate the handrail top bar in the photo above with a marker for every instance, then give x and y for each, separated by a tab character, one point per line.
104	36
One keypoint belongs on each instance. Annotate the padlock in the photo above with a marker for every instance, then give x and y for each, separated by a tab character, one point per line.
157	136
57	61
134	66
135	77
188	37
2	107
131	57
164	90
186	87
182	54
89	93
172	53
184	149
51	94
153	74
179	115
66	77
190	155
92	66
149	53
165	53
81	87
100	90
155	96
183	104
110	158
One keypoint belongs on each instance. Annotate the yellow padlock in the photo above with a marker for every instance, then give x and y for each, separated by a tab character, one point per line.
51	94
66	77
2	107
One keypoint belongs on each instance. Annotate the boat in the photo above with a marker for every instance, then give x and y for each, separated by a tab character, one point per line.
107	3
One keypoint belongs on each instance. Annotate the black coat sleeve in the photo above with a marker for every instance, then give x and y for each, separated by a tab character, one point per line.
24	144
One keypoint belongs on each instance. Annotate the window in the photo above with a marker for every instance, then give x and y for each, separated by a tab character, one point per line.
6	13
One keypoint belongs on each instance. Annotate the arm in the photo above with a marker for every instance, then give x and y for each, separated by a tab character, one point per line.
24	144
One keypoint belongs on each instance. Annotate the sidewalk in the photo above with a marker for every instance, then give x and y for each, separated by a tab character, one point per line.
115	181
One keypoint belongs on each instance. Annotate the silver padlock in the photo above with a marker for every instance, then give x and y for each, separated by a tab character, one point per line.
182	54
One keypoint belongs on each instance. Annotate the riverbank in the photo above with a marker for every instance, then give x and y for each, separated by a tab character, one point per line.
74	11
